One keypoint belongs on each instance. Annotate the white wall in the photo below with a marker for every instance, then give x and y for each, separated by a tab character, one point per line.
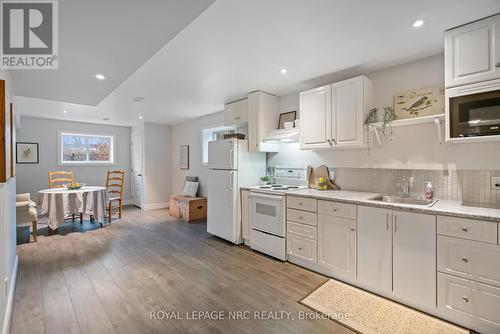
189	133
32	178
7	233
413	147
157	157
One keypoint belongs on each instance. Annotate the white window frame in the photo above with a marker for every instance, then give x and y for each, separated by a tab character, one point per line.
211	129
112	154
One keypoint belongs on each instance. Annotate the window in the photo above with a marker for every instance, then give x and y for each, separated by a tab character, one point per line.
85	148
212	134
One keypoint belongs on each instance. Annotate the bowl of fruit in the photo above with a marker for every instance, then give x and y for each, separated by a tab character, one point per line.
75	185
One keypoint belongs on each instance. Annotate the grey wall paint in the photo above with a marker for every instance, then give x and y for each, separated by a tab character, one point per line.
31	178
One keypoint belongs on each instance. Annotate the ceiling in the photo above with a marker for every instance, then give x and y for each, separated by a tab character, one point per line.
235	47
112	37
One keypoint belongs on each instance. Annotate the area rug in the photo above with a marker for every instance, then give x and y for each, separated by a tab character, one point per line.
367	313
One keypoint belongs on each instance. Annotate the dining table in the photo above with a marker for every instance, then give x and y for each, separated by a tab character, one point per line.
59	203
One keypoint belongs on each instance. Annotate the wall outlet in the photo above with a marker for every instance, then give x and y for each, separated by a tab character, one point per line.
495	183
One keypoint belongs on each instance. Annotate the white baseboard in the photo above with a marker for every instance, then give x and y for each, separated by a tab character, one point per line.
10	299
155	206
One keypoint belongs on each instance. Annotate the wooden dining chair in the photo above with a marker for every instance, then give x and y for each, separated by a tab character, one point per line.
114	186
58	179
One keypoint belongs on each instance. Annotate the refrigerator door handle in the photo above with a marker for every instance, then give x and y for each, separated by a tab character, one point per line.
231	187
231	158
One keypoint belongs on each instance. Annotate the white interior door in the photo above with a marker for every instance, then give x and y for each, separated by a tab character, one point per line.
137	169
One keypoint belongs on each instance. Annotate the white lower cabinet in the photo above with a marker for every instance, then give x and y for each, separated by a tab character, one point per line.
337	246
375	247
469	303
414	257
302	248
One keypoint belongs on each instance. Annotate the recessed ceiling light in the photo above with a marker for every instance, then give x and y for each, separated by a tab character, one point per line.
64	111
418	23
106	119
140	117
100	76
139	98
283	71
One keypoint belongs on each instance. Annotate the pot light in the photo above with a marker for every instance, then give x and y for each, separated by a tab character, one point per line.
283	71
418	23
139	98
100	76
140	117
64	111
106	119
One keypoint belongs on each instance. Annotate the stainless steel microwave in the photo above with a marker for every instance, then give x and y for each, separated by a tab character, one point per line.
474	115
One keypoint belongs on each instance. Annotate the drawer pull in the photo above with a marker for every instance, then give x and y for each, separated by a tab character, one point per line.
300	203
465	299
353	229
300	248
465	259
301	217
334	210
465	229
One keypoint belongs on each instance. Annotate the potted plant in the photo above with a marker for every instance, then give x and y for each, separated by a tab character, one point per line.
264	180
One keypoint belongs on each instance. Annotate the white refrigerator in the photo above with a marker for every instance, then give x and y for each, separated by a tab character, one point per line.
230	166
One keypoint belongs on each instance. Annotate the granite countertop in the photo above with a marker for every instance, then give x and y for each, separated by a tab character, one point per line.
441	207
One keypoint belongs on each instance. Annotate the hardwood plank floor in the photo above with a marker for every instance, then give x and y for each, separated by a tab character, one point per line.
109	280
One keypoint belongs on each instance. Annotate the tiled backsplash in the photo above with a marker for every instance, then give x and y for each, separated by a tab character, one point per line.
463	185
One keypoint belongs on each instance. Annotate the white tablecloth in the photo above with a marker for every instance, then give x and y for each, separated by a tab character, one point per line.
60	202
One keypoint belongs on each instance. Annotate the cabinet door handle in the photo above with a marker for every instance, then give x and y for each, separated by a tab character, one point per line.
465	229
353	229
395	224
465	299
497	64
464	259
387	221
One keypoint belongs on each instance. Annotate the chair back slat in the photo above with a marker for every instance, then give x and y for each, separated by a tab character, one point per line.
58	179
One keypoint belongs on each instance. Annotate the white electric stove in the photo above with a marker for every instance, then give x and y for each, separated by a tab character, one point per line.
268	211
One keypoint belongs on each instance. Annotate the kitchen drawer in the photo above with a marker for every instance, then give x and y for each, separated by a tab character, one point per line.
302	203
469	303
304	217
479	230
474	260
302	248
337	209
302	230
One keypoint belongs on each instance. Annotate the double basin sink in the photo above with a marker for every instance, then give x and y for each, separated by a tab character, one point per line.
404	200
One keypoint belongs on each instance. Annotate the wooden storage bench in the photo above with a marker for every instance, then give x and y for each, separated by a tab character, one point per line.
188	208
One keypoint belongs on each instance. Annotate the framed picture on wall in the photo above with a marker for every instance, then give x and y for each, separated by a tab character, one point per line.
184	157
27	153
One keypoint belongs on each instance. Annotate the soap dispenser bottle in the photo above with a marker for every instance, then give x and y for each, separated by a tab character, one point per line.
429	193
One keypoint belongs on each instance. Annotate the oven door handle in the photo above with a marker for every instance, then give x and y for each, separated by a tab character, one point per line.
265	196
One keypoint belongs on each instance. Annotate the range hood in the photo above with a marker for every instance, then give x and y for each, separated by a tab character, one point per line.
282	135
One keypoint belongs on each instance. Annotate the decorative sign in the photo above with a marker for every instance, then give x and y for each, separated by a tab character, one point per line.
419	103
27	153
184	157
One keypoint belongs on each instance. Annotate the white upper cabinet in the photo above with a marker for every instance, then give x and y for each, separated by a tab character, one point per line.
414	257
472	53
316	118
236	112
350	99
262	116
332	116
375	247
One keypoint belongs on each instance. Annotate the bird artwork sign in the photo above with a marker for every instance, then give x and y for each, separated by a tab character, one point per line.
419	103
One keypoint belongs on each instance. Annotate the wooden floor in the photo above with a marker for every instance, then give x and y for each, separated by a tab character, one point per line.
109	280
